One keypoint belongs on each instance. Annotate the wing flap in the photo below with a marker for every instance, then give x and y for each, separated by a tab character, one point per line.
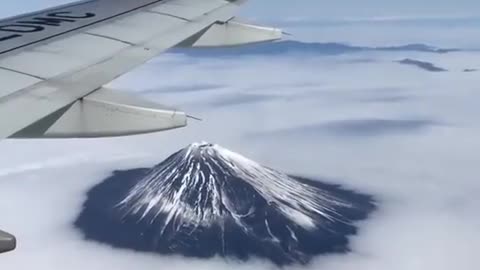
108	113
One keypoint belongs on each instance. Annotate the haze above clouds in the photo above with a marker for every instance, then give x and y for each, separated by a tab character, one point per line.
403	134
372	22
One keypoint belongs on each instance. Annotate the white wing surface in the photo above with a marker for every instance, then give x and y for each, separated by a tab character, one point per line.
54	63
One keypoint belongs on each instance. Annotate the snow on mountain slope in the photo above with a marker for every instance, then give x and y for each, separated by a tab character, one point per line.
205	201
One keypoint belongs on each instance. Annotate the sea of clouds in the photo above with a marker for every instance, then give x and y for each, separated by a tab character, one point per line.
403	134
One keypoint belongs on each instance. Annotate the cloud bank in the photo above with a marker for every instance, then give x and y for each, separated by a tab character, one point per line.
407	136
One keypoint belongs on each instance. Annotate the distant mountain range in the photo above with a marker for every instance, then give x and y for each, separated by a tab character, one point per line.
291	47
297	47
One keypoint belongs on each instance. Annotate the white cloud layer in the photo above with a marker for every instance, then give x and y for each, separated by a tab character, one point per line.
425	179
278	110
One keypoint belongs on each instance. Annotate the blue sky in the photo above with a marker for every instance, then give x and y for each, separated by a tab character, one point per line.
368	22
318	8
366	8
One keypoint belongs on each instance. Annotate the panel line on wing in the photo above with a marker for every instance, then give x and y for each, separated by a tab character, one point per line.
168	14
110	38
23	73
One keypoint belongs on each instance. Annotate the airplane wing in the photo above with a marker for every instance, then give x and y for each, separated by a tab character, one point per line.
54	63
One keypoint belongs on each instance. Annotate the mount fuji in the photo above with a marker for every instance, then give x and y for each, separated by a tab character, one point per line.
205	201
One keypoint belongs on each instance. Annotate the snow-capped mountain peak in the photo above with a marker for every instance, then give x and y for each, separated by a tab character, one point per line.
205	183
206	201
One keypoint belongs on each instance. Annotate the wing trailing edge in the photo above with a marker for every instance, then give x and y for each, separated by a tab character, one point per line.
106	113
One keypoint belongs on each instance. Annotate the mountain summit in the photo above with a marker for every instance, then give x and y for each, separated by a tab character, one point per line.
206	201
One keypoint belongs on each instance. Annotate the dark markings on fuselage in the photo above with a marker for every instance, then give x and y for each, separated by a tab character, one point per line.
37	24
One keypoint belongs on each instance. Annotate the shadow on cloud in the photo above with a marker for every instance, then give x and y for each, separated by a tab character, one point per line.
183	88
368	127
422	65
240	99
